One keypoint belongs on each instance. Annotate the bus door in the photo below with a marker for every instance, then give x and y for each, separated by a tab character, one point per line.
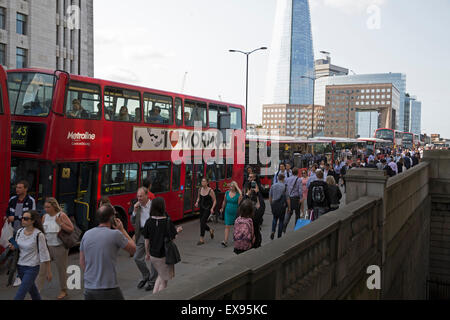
193	179
76	192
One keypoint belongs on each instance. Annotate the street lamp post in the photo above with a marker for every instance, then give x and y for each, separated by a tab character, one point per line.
246	77
313	79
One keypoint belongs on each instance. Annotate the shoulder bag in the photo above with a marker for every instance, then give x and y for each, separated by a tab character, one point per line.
70	239
172	253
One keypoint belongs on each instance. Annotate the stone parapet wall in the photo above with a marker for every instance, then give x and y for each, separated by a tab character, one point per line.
439	246
400	224
324	260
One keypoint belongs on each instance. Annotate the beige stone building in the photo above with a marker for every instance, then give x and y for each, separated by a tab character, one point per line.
350	109
293	120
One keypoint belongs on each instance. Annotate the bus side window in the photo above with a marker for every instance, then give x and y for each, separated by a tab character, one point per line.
119	178
158	109
159	174
229	169
236	118
122	105
195	112
176	177
83	101
178	112
211	171
221	170
213	116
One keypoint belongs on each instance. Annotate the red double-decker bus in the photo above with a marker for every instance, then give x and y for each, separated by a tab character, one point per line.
5	146
84	138
408	140
394	136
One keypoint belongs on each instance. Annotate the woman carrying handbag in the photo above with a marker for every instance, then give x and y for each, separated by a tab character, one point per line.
157	228
53	221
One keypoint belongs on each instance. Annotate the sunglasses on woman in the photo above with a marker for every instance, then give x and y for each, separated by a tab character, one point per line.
26	219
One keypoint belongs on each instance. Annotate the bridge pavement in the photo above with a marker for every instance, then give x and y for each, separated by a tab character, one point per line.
195	259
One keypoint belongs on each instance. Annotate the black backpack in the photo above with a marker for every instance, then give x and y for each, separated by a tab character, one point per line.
318	194
279	206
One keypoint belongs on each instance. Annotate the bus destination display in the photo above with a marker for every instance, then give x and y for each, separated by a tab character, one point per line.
27	137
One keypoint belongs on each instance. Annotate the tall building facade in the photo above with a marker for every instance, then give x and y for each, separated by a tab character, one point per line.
416	117
49	34
358	110
397	79
293	120
291	56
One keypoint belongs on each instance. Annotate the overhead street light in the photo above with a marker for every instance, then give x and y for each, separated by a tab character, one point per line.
246	81
314	92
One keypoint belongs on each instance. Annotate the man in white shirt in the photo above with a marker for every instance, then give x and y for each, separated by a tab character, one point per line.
140	215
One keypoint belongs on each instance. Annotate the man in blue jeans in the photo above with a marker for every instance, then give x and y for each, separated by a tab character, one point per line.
279	201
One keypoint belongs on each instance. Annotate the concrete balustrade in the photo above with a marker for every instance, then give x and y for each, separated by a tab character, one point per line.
387	223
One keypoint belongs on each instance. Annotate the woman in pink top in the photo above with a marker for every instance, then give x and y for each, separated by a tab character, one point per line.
305	193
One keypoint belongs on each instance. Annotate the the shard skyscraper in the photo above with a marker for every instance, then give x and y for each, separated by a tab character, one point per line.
291	55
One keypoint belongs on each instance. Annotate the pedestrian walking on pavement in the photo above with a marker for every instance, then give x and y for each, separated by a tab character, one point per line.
206	201
17	206
255	196
335	193
230	207
140	215
32	252
318	197
157	228
279	201
304	182
295	193
244	234
98	256
53	221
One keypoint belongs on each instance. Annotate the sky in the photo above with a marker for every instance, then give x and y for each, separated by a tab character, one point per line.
183	46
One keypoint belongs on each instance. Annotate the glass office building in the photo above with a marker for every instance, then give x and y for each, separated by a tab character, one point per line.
397	79
291	55
366	123
416	117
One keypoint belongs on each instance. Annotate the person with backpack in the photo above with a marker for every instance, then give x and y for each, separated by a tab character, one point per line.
408	161
387	168
255	196
32	252
244	234
20	203
279	201
318	197
281	170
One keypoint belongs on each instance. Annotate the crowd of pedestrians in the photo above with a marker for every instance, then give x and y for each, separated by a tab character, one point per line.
294	195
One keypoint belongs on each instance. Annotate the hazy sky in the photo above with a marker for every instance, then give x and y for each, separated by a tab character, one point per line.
155	42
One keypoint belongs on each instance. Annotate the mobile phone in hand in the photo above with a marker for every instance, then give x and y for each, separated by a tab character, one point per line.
14	243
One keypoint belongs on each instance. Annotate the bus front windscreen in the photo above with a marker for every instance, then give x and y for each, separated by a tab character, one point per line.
30	94
385	135
407	138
